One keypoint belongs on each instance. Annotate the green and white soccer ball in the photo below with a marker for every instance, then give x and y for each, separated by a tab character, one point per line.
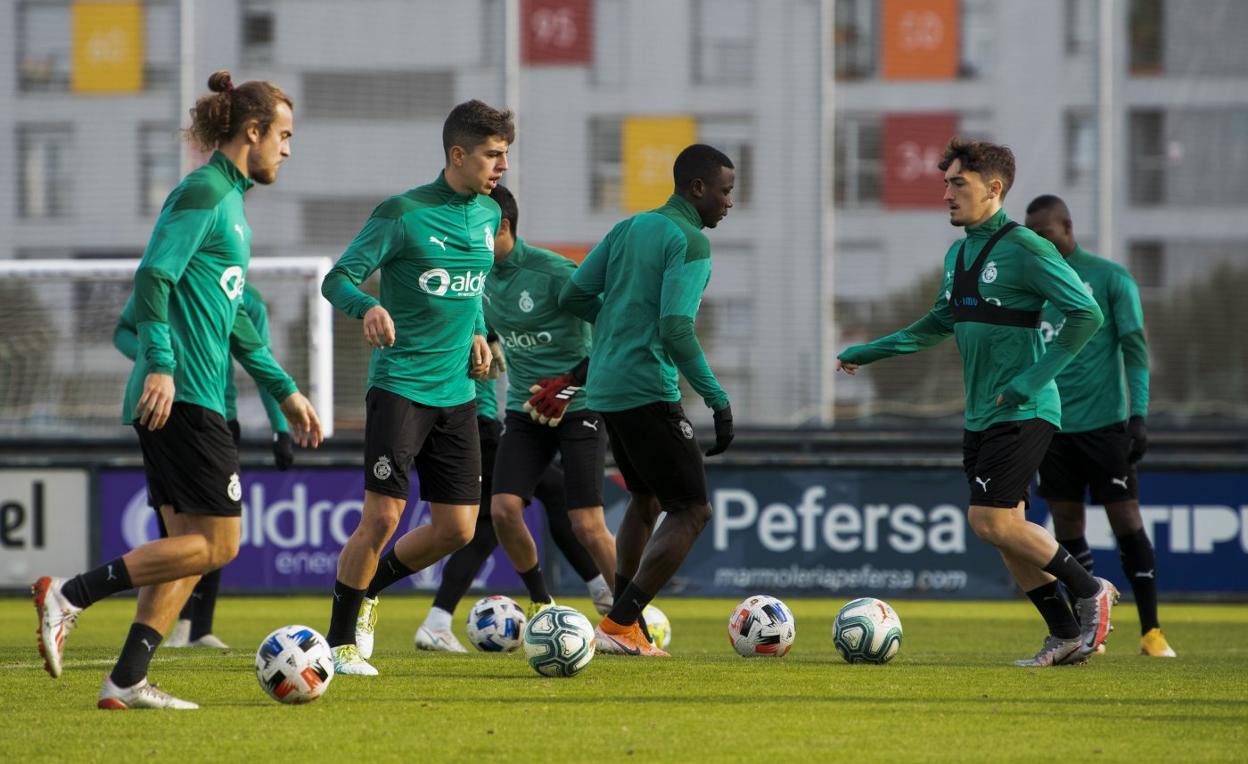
867	630
559	641
660	628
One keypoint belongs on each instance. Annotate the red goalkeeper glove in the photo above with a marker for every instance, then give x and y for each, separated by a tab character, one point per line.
551	396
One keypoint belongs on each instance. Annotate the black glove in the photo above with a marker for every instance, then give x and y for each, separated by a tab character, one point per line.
723	431
283	450
1138	432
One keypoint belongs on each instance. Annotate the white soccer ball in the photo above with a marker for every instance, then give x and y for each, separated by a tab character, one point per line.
761	627
495	624
294	664
559	641
867	630
660	628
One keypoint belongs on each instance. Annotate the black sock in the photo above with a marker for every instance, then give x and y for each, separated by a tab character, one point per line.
389	570
1078	548
535	583
136	655
621	583
88	588
205	598
1065	568
1056	613
1140	565
344	614
629	604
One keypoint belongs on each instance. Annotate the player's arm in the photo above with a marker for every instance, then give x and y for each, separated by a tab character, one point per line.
254	356
1050	276
1124	301
580	295
283	444
379	239
126	334
935	327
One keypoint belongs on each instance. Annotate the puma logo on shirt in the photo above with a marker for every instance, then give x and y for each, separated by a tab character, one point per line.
440	242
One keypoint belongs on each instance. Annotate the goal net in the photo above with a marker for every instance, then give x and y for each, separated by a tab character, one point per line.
61	377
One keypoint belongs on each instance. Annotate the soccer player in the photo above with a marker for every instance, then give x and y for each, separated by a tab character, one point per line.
194	625
1102	437
996	281
434	245
188	308
548	352
435	633
641	287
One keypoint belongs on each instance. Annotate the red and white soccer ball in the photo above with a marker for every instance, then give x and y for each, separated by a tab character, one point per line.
294	664
761	627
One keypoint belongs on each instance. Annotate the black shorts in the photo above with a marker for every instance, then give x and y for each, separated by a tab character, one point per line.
1095	460
1001	461
192	463
657	454
489	431
528	448
442	441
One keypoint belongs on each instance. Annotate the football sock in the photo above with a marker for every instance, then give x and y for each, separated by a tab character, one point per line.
628	606
344	614
438	619
136	655
621	583
1065	568
87	588
205	598
1078	548
1140	565
389	570
536	584
1056	613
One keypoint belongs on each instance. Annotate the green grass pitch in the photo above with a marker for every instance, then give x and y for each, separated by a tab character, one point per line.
950	695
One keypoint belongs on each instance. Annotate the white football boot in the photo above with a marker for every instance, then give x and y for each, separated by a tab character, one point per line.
366	626
142	695
438	640
347	660
180	636
57	618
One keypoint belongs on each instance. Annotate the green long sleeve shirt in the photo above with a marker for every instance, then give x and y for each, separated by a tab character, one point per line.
1023	272
1113	367
434	247
188	293
641	286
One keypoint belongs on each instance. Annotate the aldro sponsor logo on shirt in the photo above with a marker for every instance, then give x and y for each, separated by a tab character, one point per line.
232	282
514	340
439	282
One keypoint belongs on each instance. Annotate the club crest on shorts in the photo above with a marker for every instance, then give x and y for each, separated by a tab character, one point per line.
990	272
526	301
686	429
382	469
234	489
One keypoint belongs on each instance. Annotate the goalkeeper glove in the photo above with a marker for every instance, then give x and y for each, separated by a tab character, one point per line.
723	431
283	450
552	396
1138	430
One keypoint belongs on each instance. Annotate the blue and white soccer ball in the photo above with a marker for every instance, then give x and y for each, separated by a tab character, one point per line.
495	624
659	627
559	641
761	627
867	630
294	664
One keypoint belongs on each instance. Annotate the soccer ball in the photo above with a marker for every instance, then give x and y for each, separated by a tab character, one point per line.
294	664
660	628
867	630
761	626
559	641
495	624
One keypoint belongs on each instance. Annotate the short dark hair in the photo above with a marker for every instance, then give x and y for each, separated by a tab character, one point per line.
507	203
473	122
698	161
991	160
1046	202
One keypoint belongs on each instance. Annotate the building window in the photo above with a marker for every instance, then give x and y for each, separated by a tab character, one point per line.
378	95
159	155
258	32
1081	25
1147	27
160	45
857	36
977	35
1080	153
723	41
859	161
334	221
43	43
45	162
1148	157
734	137
606	164
610	43
1147	260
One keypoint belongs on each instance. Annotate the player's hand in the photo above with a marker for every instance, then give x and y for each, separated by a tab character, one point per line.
480	358
498	364
723	431
156	402
847	367
1137	429
305	427
283	450
551	398
378	327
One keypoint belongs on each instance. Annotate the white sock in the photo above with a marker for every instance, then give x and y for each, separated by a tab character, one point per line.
597	585
438	620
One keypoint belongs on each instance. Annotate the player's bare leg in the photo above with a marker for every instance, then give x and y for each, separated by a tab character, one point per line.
507	512
590	526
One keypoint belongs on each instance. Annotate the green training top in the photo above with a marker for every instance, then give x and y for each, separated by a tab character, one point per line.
1022	272
434	247
487	398
650	271
188	291
1093	387
522	308
126	339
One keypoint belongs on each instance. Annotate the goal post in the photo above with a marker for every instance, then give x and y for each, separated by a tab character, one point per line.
62	378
